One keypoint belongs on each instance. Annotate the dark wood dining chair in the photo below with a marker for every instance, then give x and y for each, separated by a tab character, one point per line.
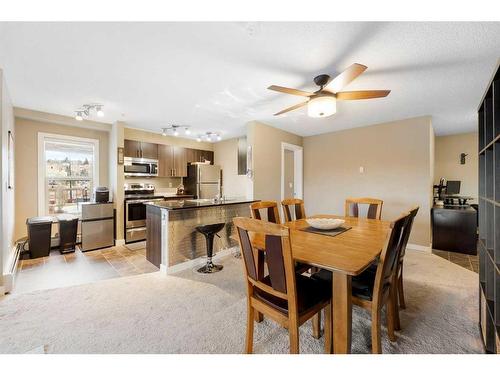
399	272
284	296
271	208
374	207
374	289
295	206
293	209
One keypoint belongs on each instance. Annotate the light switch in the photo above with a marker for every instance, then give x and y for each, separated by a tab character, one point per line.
290	185
361	169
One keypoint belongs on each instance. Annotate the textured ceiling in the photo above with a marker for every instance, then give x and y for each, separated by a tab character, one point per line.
213	76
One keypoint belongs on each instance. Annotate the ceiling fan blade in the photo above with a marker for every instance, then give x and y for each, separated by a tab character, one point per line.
290	91
344	78
366	94
293	107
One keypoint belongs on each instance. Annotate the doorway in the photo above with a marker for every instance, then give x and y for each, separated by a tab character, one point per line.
291	171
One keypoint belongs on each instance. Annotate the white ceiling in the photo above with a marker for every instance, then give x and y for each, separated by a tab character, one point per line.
213	76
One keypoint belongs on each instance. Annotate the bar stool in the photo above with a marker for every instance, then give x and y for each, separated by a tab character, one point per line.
209	231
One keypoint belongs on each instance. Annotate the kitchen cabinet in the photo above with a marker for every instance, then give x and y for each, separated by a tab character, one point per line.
193	156
172	161
180	161
207	155
132	148
136	149
165	161
149	150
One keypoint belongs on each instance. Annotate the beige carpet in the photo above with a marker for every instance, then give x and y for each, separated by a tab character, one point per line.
192	313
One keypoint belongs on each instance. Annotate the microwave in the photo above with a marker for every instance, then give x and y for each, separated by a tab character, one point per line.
140	167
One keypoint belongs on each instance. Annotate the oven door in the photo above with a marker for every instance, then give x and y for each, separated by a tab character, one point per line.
135	214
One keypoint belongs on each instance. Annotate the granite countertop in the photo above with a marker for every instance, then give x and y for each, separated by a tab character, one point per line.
195	203
158	196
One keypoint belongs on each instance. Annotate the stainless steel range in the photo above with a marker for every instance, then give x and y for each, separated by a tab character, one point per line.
136	195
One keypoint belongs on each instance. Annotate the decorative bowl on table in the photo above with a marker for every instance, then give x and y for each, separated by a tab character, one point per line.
325	223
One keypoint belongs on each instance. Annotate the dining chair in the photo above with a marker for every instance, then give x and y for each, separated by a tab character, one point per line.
374	207
271	208
293	209
293	205
372	290
284	296
400	301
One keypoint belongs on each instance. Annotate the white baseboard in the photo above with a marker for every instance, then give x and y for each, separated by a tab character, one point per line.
193	263
119	242
9	277
413	246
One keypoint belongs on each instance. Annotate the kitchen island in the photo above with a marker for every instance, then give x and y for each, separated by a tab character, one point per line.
172	242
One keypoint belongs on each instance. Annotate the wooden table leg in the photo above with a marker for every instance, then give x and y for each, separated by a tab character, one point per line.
259	317
342	313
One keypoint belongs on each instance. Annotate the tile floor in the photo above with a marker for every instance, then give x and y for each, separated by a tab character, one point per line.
471	262
79	267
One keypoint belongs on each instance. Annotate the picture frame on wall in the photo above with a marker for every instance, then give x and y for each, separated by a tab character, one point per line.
120	157
10	152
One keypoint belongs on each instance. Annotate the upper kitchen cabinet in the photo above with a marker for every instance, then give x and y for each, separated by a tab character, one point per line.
149	150
193	156
132	148
180	161
165	161
136	149
172	161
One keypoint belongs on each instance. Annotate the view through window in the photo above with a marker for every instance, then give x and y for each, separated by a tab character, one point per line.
70	167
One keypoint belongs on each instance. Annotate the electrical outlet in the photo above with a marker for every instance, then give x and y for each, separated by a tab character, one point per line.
361	169
169	184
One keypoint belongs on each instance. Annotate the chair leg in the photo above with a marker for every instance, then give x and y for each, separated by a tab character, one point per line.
328	329
391	314
293	332
258	317
250	323
316	325
376	342
397	321
401	293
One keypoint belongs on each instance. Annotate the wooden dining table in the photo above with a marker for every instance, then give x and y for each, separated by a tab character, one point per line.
346	254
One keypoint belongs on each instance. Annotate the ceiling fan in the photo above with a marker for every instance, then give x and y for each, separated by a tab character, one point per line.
323	102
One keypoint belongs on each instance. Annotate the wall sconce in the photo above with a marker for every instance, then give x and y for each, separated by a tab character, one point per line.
462	157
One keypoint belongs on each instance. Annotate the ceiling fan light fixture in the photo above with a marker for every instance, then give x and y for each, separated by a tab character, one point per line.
322	106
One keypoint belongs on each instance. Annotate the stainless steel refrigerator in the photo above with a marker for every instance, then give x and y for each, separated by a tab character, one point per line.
203	181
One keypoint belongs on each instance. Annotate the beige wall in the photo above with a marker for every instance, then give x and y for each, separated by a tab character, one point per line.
266	161
448	150
26	194
397	163
7	213
226	155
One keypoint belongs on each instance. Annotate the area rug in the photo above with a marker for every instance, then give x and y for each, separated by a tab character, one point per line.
192	313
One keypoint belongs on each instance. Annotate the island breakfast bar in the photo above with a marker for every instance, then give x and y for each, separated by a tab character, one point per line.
172	242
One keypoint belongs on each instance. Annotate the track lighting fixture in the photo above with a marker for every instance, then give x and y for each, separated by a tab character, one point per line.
87	109
175	130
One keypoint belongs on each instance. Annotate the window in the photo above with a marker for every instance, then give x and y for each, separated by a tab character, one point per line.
68	170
